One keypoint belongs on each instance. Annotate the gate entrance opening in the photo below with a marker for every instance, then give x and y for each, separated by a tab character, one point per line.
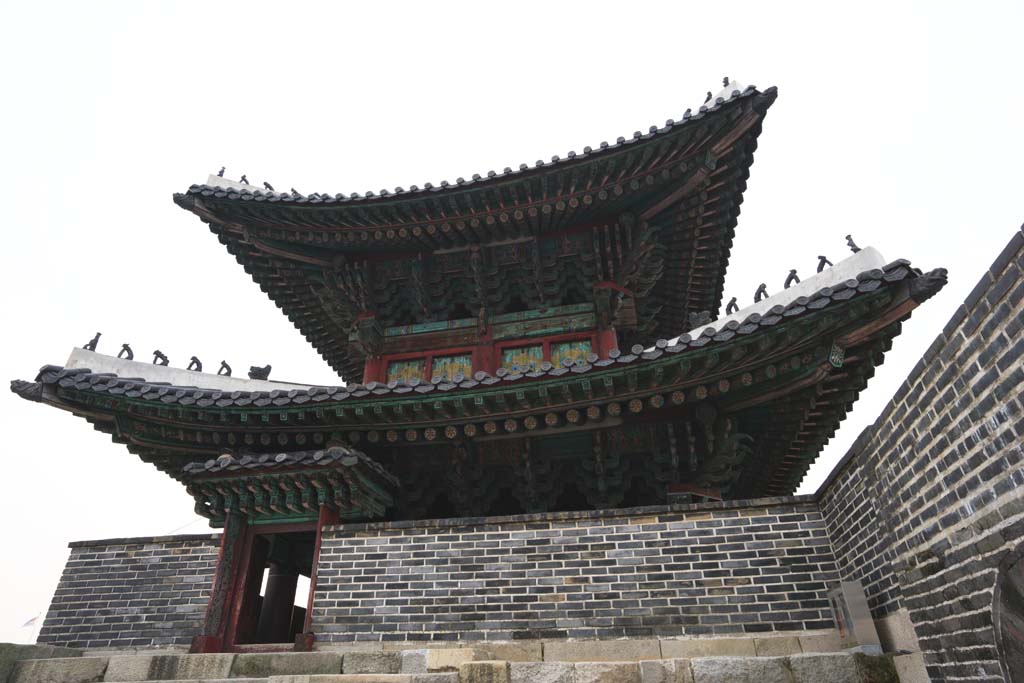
271	608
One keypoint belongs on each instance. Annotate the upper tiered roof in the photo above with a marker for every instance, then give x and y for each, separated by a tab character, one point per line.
557	225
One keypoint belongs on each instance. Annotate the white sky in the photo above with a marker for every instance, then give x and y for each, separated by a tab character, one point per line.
899	123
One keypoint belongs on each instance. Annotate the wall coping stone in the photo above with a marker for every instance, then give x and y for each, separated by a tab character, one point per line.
576	514
145	539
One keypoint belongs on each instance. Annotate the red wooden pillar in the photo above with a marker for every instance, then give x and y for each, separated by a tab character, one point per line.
327	517
374	369
224	593
606	342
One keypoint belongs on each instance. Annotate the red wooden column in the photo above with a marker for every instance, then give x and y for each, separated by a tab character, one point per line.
224	594
327	517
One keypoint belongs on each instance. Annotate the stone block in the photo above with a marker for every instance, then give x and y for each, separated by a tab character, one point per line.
821	642
450	659
665	671
876	668
777	647
262	665
169	667
601	650
357	647
607	672
66	670
413	661
542	672
363	678
742	670
524	651
484	672
14	652
837	667
372	663
688	648
910	668
845	667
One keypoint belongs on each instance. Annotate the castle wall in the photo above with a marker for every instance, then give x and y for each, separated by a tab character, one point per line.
722	568
134	592
929	501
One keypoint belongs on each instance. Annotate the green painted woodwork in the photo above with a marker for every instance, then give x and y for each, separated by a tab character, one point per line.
407	370
522	356
449	367
571	350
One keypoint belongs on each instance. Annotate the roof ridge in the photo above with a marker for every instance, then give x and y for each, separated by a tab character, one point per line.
225	188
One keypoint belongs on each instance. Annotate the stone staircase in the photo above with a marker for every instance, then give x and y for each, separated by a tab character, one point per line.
593	662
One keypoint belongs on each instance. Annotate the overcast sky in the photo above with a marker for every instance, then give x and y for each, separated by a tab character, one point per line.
898	123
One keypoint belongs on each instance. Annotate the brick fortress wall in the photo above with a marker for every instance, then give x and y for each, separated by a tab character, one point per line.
135	592
745	567
929	501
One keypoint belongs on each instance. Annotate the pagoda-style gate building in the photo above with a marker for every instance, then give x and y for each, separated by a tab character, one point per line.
544	339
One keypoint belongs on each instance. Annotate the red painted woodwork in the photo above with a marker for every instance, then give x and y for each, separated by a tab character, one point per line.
242	626
605	341
327	517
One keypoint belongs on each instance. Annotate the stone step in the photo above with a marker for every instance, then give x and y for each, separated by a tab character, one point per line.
452	665
804	668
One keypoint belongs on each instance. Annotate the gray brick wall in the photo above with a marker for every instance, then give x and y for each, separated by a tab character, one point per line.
930	500
136	592
745	567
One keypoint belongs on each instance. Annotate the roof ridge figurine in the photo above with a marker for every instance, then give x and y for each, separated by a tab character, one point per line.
91	344
159	358
126	352
195	364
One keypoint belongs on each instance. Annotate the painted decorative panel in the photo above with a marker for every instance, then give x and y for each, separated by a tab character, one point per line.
523	356
405	370
450	366
574	351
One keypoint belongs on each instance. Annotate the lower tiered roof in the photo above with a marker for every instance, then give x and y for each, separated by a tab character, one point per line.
762	391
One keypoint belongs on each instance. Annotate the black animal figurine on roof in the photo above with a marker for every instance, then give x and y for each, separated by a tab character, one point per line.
822	262
159	358
225	369
258	372
195	364
126	352
91	344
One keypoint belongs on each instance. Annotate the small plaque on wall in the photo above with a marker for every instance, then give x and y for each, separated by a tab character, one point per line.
853	617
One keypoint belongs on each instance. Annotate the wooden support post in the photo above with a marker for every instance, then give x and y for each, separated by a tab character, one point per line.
327	517
224	592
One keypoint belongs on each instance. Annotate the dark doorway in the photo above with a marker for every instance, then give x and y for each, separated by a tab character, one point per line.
272	610
1008	615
